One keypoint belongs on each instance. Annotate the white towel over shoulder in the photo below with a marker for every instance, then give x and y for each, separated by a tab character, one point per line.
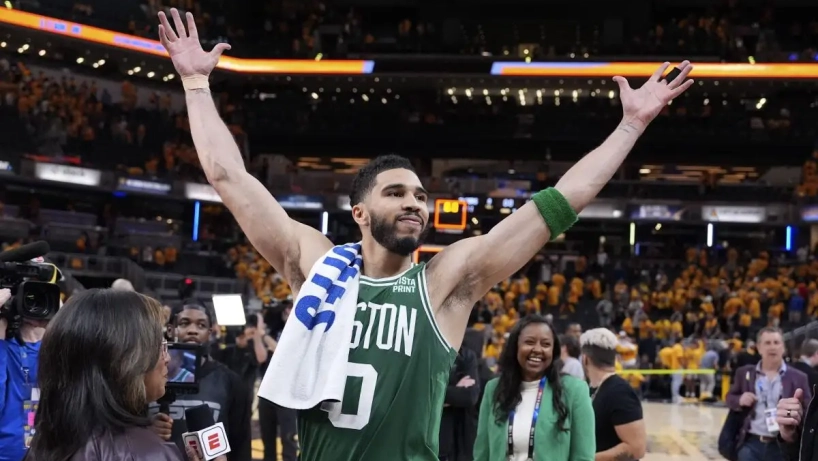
309	365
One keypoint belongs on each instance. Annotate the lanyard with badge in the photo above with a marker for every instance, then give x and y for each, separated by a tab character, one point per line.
30	405
769	412
533	424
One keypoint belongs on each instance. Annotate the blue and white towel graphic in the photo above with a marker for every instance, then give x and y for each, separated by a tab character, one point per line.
309	365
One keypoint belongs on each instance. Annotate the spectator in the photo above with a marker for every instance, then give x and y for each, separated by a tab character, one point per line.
620	427
809	359
458	424
570	356
758	389
528	396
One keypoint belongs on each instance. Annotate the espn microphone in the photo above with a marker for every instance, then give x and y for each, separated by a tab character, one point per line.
204	435
25	252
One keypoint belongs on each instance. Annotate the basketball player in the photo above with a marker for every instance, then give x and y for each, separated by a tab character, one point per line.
414	316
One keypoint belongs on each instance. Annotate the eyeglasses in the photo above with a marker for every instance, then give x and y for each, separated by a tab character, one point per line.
164	347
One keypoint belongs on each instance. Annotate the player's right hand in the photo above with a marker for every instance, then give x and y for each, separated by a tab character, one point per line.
184	48
162	425
466	381
747	399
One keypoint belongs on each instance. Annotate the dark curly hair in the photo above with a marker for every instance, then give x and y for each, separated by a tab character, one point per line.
507	394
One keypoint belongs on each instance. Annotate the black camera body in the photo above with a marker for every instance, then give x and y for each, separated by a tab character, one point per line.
35	294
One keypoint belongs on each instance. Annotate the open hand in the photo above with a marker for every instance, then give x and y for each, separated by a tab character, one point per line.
643	104
187	54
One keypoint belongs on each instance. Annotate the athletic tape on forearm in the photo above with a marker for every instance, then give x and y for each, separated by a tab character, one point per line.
195	82
555	210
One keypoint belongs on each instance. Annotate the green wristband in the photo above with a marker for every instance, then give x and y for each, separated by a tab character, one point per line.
555	210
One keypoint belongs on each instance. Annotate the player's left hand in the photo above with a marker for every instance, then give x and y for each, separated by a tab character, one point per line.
643	104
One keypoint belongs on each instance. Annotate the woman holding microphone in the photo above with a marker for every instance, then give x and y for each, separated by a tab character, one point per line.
102	359
532	411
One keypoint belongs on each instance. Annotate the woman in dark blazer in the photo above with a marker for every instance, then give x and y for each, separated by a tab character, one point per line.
103	358
532	391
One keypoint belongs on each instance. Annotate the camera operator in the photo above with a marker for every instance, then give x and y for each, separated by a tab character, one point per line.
219	388
19	355
250	350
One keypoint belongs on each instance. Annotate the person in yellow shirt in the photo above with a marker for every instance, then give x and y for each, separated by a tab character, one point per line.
693	351
662	328
666	357
677	363
627	350
745	319
646	328
774	314
553	297
627	326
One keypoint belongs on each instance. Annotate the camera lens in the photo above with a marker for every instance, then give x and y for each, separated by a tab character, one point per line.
38	300
36	305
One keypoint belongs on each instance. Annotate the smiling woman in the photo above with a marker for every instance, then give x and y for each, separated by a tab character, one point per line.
532	407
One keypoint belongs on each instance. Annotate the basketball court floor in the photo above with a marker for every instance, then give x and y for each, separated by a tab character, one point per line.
685	432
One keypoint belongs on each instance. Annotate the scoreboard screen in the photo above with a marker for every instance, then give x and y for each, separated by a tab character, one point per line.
450	214
426	253
494	205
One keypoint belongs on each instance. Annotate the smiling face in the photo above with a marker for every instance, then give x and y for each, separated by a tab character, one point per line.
395	211
535	350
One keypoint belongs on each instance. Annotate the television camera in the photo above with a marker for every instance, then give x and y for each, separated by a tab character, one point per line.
33	284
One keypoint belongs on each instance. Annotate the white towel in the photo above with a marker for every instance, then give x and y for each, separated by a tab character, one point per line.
309	365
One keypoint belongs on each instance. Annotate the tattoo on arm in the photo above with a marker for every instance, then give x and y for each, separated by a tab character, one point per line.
200	91
628	128
624	457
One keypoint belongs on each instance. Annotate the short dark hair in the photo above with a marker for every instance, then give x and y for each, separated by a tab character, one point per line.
195	305
364	180
775	330
809	347
571	344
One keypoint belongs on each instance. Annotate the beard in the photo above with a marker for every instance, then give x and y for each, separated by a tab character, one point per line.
385	233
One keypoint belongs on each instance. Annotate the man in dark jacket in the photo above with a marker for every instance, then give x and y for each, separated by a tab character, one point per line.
458	425
219	388
808	361
756	390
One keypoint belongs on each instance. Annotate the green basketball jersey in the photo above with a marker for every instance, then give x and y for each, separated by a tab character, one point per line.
399	365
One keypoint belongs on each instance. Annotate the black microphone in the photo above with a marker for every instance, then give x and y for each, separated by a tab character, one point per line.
207	437
25	252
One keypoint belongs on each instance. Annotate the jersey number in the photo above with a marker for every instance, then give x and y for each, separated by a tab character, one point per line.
361	417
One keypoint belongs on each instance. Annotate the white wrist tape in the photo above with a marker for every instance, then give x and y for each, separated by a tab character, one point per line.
195	82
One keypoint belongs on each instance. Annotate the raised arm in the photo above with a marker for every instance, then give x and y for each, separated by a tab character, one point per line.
463	272
291	247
